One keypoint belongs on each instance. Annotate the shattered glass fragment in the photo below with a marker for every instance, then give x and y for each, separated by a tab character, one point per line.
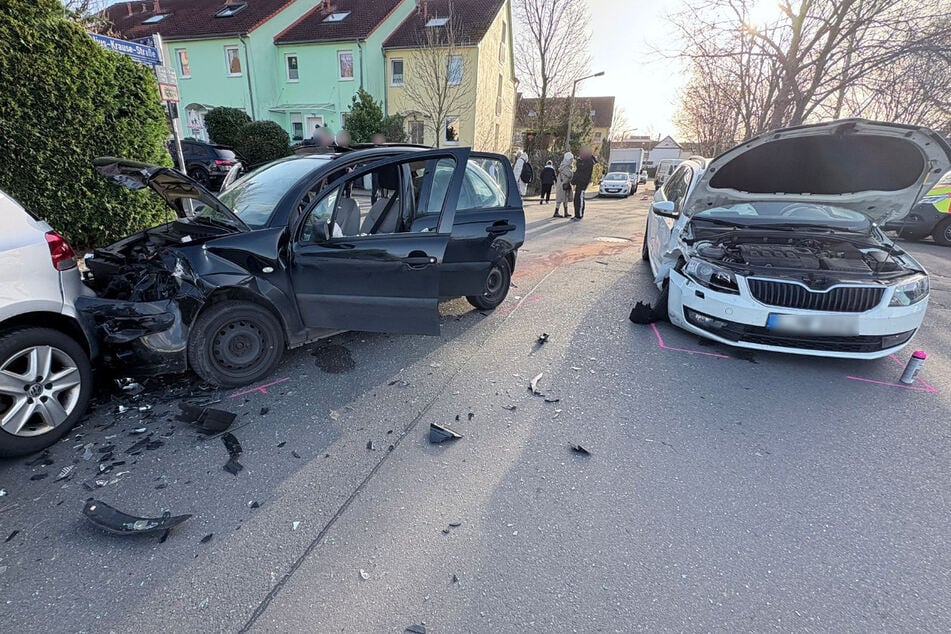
145	408
334	359
510	408
580	450
65	473
11	536
3	492
39	476
334	414
533	384
119	523
206	538
543	338
254	504
88	453
122	409
364	574
281	444
439	434
106	448
136	432
295	454
296	525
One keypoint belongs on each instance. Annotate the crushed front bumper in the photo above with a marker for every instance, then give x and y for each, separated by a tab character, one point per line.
143	338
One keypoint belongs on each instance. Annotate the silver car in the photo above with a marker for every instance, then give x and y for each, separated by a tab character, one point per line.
45	371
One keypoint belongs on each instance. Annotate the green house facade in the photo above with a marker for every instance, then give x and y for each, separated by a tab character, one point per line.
296	62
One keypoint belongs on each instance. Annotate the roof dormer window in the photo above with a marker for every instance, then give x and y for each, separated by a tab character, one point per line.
155	19
231	9
338	16
437	22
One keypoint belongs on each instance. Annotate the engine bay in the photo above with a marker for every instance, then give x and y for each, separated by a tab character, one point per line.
799	254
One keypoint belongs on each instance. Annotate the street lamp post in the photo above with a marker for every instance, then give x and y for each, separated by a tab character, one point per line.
571	106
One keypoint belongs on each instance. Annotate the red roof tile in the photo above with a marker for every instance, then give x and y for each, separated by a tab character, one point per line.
365	16
189	18
473	17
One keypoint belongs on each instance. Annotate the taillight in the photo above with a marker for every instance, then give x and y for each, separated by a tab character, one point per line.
220	162
64	258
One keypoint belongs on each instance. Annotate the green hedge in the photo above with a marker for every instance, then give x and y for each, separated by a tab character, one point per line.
262	141
64	101
224	125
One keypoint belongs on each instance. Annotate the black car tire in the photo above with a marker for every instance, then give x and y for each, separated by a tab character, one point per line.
235	343
495	287
942	233
200	175
645	252
66	353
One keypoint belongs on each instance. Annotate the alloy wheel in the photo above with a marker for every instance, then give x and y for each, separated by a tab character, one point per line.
39	389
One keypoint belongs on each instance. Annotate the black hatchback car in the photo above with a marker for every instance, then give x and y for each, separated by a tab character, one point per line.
300	249
206	163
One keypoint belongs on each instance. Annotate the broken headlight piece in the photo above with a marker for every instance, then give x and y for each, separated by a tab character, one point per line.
712	276
911	292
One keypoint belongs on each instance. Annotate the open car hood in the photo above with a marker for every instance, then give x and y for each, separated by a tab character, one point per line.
173	186
878	169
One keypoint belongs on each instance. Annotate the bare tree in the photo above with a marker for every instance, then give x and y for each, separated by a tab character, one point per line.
710	116
89	14
439	83
620	125
812	59
550	49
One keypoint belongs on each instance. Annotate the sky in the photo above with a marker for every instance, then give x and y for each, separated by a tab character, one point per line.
627	36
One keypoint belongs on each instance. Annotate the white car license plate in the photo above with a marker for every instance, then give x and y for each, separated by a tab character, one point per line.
832	325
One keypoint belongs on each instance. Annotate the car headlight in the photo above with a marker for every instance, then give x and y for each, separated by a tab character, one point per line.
712	276
911	292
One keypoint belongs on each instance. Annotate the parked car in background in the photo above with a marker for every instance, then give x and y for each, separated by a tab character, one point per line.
300	249
642	177
206	163
617	184
754	251
664	169
930	217
45	372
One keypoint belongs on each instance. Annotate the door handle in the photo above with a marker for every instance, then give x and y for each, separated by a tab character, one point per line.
419	261
497	229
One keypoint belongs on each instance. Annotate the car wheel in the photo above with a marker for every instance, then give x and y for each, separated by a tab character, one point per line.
45	386
235	343
200	175
942	233
495	287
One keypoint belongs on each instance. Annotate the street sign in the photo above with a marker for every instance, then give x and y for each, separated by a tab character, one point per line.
139	52
168	92
166	75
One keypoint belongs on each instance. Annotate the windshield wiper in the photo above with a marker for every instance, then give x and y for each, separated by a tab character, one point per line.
793	226
214	222
721	222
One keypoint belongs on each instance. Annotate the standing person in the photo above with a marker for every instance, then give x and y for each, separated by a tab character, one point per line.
547	179
563	193
583	173
520	164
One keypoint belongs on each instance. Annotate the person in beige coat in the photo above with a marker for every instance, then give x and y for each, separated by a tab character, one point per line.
563	184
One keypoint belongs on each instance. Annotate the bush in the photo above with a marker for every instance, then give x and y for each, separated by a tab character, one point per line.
66	100
225	124
365	118
262	141
394	129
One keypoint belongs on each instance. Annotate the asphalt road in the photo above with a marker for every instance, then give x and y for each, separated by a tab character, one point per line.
723	491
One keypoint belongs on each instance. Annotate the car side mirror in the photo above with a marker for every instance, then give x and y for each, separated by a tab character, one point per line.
323	231
665	208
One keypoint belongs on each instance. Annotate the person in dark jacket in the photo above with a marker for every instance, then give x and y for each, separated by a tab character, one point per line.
584	168
548	180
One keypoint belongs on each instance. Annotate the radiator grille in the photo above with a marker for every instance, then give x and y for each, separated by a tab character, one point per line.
842	299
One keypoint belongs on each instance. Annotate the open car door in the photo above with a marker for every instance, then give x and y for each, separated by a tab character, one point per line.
367	255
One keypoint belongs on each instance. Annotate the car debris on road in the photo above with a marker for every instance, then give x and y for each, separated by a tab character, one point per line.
116	522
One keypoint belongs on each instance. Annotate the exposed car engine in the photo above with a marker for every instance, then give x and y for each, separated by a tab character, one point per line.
800	255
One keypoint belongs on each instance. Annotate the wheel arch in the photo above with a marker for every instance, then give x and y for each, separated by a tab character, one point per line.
237	293
53	321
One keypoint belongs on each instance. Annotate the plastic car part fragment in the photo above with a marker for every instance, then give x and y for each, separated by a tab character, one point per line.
439	434
208	419
234	450
533	385
116	522
647	314
578	449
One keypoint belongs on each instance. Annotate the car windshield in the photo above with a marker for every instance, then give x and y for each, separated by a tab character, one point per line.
254	197
763	214
616	176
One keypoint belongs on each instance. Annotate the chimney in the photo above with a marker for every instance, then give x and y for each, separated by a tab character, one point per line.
128	6
426	10
155	7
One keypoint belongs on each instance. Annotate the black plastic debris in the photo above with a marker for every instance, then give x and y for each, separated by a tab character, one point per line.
510	408
164	536
415	629
140	446
471	415
153	445
646	314
264	410
234	450
543	338
369	445
334	359
578	449
39	476
65	473
208	419
159	487
455	524
281	444
118	523
439	434
11	536
206	538
43	460
455	579
233	466
552	400
295	454
254	505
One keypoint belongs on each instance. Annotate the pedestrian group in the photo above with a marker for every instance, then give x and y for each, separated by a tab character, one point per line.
569	180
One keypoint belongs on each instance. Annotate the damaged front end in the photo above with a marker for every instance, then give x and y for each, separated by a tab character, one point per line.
146	296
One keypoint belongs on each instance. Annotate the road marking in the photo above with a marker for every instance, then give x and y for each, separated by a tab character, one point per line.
261	389
660	342
926	389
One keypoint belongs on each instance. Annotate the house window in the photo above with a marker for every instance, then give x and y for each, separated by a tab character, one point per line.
502	44
451	131
184	70
339	16
498	97
437	22
454	70
344	117
155	19
233	61
297	126
345	65
231	9
417	133
293	72
396	72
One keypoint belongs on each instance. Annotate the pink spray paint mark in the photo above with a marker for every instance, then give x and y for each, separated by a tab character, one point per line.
660	342
261	389
925	387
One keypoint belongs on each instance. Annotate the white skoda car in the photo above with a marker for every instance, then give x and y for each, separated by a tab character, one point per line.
775	245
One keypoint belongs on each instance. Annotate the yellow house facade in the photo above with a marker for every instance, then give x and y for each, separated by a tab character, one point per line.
459	92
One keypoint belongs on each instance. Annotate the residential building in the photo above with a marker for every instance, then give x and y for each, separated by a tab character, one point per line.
666	148
601	110
479	72
296	62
